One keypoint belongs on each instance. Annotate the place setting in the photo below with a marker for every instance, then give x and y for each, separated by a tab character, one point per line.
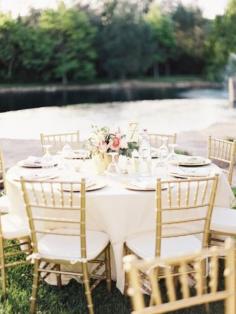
191	167
118	156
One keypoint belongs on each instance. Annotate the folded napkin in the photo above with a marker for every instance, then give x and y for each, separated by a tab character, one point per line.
31	161
38	176
144	184
193	160
191	172
77	187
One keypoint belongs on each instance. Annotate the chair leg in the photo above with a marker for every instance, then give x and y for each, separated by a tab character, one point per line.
35	287
126	277
204	283
108	267
28	240
87	288
59	283
3	269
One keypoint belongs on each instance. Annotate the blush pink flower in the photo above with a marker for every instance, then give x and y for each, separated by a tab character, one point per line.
115	144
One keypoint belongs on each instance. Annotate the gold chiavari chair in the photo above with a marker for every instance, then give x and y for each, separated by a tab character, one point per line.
156	139
2	171
223	152
183	216
57	218
4	202
12	228
57	141
184	297
223	222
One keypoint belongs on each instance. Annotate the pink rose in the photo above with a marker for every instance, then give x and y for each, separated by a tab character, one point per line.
115	144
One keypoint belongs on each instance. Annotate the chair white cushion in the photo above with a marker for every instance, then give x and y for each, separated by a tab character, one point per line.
143	245
223	220
4	204
13	227
67	248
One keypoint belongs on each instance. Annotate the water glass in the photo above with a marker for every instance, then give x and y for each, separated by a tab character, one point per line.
47	160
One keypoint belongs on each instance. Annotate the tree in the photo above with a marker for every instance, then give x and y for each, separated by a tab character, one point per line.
163	38
13	36
231	8
221	43
124	41
72	35
191	31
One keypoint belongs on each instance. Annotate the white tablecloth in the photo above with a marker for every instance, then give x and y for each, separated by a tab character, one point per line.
115	210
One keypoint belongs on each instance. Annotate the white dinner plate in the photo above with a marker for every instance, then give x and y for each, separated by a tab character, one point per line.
91	187
194	161
26	164
36	165
186	173
134	187
35	177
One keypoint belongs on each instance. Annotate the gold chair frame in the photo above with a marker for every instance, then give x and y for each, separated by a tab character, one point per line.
135	267
199	193
23	247
21	250
35	197
2	171
223	151
155	139
57	141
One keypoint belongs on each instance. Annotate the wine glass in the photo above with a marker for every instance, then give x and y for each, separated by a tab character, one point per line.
113	167
161	163
47	160
173	157
163	149
83	154
67	150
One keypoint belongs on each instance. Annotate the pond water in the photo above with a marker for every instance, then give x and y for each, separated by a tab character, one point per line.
13	101
195	110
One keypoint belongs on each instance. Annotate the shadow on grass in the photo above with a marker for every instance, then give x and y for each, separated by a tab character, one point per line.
70	299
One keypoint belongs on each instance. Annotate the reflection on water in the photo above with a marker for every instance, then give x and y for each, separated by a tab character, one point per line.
205	93
157	115
13	101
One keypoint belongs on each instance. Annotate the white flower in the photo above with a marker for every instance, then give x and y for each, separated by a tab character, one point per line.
123	143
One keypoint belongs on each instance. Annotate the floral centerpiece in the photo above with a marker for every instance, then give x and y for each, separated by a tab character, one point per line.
102	141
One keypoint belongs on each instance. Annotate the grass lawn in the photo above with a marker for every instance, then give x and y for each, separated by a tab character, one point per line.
71	298
234	190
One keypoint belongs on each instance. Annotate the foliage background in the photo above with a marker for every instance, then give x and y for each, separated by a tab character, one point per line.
122	39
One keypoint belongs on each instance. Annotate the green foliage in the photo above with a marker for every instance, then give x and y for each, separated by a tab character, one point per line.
72	37
125	41
60	46
122	39
221	42
190	33
163	37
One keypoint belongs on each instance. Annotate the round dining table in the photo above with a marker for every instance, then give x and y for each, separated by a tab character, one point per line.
114	209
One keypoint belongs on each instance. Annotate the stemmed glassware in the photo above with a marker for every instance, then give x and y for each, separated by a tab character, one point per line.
163	149
161	163
47	160
173	157
113	167
83	153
